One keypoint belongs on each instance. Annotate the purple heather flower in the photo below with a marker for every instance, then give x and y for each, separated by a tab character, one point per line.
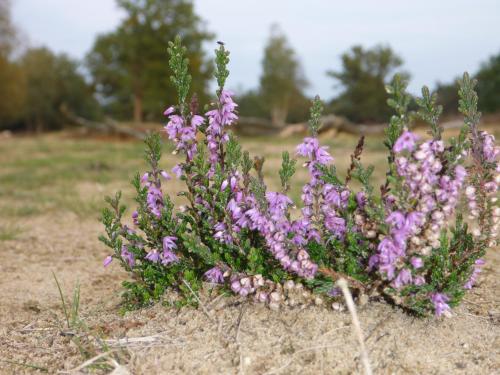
307	147
154	200
135	217
478	264
165	175
440	303
334	292
406	141
396	219
336	225
107	260
169	111
177	170
404	277
168	257
414	220
197	120
153	256
418	280
322	156
389	252
460	173
416	262
127	256
215	275
169	243
145	177
361	199
490	151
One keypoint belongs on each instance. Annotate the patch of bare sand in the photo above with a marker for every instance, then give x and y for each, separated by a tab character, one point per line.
238	338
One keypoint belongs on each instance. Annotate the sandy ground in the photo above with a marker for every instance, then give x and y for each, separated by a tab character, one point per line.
236	337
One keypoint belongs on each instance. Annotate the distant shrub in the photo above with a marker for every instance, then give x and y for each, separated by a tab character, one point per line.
408	243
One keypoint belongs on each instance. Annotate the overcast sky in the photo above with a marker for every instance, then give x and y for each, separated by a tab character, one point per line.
438	39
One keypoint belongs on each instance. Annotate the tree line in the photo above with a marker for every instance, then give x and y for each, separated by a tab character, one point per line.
126	76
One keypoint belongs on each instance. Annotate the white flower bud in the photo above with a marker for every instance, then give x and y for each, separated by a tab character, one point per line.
371	234
470	190
476	232
417	177
337	306
496	212
426	188
416	240
437	215
472	205
420	155
275	297
426	250
358	219
289	285
447	210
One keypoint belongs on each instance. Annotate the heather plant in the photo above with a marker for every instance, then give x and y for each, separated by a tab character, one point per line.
418	241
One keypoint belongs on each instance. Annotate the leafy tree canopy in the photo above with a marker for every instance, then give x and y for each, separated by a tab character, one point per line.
53	81
129	65
282	81
363	77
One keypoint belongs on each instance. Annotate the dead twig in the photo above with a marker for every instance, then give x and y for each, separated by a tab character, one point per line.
342	284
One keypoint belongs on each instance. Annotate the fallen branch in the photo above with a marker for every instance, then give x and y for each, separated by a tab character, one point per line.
107	127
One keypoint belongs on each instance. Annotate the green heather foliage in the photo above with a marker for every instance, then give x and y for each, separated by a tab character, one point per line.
417	240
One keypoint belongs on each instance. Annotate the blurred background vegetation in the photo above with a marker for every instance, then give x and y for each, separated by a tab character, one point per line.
125	76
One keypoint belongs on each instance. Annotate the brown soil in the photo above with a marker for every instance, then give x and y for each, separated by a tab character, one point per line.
237	337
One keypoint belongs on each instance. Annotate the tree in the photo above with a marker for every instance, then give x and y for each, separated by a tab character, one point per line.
282	80
447	96
51	82
129	66
364	75
11	76
488	85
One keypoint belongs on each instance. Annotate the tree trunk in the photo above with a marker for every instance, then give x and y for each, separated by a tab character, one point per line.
39	126
137	108
278	116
